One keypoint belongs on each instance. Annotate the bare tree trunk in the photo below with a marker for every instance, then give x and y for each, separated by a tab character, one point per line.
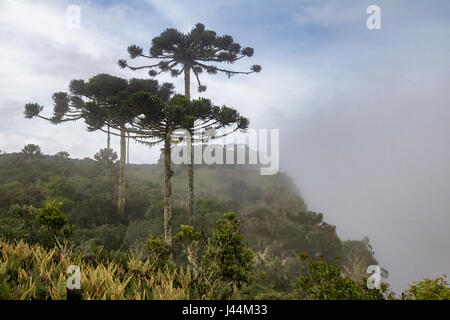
187	82
191	183
187	93
108	140
122	188
128	150
168	192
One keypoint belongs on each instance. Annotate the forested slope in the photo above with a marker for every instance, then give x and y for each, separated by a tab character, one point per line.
274	218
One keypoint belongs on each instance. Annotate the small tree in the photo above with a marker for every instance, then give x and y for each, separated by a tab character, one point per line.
62	155
106	156
32	150
159	251
62	158
187	239
226	256
51	217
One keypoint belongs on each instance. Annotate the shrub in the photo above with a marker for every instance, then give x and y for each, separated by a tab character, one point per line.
324	280
51	217
20	223
159	251
428	289
226	256
187	239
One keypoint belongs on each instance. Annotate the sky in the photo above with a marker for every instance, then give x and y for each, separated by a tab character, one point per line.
363	114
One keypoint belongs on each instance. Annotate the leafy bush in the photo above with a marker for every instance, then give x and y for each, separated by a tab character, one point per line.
56	222
20	223
324	280
187	239
226	257
159	251
428	289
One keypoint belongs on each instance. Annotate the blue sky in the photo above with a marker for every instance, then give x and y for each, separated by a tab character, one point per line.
363	115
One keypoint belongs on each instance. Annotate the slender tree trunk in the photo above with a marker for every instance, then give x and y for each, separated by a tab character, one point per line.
108	140
187	93
191	183
128	150
187	82
122	188
168	192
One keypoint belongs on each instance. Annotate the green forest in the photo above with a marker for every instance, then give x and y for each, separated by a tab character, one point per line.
253	239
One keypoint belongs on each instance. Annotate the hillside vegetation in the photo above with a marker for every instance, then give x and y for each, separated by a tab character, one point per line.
275	222
253	238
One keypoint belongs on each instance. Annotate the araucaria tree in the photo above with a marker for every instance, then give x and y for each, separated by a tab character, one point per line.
145	112
197	51
151	120
105	92
31	150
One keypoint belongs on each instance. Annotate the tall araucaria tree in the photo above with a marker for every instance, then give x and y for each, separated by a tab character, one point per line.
151	121
197	51
106	92
144	112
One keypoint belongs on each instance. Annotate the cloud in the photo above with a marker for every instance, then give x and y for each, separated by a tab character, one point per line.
31	20
329	13
42	55
372	150
174	12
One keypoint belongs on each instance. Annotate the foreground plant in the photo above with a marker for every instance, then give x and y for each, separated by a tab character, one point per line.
34	273
51	217
187	239
226	255
428	289
324	280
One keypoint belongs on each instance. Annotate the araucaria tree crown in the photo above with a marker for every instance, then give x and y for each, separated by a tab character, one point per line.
199	50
